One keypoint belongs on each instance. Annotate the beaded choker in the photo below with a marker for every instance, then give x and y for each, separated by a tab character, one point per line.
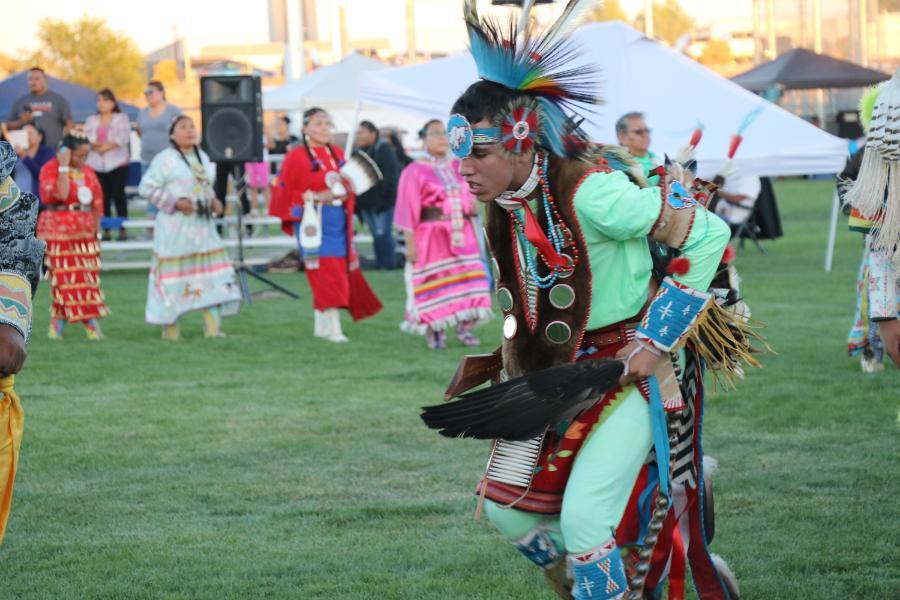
506	199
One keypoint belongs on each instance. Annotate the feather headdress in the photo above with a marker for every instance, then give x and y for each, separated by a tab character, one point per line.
538	70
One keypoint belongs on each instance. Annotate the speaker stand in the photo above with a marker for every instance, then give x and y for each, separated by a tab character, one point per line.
242	270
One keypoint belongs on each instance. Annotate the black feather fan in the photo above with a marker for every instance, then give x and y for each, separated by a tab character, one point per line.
522	408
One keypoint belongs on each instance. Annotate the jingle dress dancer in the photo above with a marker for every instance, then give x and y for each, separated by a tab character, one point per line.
190	270
446	281
309	176
20	270
874	195
584	473
74	200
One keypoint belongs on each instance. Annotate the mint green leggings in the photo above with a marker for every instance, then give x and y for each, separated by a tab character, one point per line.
598	489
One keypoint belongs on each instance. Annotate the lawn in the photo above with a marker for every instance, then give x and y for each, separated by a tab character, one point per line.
272	465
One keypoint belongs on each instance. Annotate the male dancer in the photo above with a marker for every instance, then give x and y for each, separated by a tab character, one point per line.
875	200
569	241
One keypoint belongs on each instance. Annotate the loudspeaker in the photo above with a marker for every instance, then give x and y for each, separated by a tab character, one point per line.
849	125
231	109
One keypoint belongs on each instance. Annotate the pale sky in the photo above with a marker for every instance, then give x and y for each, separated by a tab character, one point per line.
210	22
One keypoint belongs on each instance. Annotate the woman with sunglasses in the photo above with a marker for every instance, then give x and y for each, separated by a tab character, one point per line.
310	176
190	270
153	123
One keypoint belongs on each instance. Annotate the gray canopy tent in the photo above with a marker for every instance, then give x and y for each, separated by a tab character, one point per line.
802	69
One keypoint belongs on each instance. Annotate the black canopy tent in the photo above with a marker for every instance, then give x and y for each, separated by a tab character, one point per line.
802	69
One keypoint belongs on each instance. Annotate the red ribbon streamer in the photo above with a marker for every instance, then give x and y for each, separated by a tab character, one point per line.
535	234
677	569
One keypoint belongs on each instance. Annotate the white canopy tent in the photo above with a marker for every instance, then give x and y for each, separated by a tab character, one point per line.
638	74
336	88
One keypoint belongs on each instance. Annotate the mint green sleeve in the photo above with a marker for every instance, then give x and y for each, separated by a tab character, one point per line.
615	207
704	247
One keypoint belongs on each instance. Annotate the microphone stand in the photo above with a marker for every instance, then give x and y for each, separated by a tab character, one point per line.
241	267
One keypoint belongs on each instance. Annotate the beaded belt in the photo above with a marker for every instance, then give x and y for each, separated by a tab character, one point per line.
62	207
617	332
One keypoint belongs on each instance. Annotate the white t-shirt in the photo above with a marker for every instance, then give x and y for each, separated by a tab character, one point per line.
742	185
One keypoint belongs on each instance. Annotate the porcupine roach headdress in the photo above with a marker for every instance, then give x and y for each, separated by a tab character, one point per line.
544	88
880	171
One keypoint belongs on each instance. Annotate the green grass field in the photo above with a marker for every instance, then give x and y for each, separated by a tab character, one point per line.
272	465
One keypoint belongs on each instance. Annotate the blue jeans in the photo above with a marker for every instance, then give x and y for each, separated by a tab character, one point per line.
380	225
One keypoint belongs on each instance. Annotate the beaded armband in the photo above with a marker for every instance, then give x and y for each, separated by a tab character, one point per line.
671	316
676	217
15	302
21	253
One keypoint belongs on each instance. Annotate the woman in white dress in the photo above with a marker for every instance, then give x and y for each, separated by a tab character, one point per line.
191	270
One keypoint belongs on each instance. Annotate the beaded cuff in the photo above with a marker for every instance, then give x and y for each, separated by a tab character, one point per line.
15	302
672	314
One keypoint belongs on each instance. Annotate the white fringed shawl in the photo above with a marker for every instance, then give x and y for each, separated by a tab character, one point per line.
877	188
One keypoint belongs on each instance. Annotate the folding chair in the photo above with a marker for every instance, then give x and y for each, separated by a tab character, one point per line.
749	229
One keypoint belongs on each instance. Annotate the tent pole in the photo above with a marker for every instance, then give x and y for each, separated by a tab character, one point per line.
832	231
354	122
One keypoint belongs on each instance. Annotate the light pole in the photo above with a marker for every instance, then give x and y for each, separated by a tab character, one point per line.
296	53
648	18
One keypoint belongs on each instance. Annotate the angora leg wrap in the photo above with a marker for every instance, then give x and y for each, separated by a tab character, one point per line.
538	547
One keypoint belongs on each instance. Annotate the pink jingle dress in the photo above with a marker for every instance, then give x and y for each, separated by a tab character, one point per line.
448	283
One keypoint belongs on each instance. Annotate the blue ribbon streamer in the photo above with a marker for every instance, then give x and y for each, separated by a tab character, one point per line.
660	434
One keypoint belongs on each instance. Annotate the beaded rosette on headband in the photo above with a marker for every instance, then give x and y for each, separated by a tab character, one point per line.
544	89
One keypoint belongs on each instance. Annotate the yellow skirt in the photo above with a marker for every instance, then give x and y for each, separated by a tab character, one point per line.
12	424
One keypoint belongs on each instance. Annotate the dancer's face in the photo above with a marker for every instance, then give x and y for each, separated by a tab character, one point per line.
489	172
436	143
318	129
79	155
185	133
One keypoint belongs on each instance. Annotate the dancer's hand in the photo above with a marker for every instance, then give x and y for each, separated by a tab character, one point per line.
64	156
218	208
642	362
890	335
12	350
185	205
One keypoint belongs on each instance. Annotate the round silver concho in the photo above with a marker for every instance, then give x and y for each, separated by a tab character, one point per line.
558	332
562	296
505	299
85	195
496	266
510	326
567	271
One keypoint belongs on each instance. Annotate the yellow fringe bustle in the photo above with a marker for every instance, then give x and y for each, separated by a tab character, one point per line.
724	340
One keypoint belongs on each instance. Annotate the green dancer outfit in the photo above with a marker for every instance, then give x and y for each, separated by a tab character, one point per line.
596	437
